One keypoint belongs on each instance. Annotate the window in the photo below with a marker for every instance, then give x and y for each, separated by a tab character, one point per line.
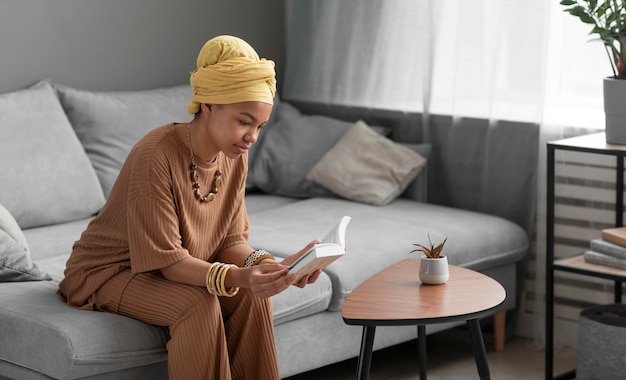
497	59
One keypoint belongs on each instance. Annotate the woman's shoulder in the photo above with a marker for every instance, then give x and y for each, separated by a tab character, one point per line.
158	139
157	134
158	147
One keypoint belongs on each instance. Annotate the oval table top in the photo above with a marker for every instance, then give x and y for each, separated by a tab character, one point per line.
395	296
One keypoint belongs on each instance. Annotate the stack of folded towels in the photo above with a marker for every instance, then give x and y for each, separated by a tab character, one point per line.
610	249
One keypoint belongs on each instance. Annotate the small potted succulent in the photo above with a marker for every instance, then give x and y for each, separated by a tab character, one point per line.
433	265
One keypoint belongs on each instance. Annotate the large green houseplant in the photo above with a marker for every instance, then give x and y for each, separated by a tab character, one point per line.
608	21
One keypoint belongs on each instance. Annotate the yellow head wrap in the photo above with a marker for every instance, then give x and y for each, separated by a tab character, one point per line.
230	71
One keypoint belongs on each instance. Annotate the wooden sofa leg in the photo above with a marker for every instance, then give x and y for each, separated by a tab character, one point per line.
499	323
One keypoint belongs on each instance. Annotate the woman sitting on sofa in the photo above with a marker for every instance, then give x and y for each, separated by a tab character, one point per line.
170	245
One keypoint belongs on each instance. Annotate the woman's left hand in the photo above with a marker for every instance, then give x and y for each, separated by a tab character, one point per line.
290	259
308	279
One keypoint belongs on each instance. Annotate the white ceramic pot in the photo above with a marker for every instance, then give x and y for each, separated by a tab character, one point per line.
614	110
434	271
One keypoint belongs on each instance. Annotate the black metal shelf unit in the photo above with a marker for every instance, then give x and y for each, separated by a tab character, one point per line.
593	143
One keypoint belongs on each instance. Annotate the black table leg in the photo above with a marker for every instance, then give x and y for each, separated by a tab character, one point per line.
421	350
478	346
365	357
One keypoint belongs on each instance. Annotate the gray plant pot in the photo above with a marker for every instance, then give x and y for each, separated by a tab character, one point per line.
615	110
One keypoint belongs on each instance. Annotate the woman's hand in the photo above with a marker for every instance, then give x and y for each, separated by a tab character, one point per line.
306	279
269	277
264	281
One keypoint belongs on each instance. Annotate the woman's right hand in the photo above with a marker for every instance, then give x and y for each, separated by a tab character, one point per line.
264	280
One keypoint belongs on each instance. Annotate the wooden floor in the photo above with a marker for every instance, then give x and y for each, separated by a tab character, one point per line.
449	358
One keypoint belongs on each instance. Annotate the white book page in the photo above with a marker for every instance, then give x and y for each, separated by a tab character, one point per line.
338	234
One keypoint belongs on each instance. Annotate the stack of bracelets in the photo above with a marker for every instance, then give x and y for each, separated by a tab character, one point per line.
215	277
216	274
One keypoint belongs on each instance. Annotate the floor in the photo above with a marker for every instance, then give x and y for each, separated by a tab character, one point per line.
450	357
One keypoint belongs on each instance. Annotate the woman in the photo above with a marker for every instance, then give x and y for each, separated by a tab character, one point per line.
170	245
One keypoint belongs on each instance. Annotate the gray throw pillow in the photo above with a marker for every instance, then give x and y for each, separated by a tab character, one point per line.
15	261
367	167
110	123
292	145
46	177
9	225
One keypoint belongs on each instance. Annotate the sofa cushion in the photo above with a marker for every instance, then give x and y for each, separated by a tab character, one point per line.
296	302
477	241
367	167
46	177
58	341
54	240
258	201
65	343
110	123
292	145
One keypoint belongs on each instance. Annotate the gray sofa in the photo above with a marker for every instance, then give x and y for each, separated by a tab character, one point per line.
60	153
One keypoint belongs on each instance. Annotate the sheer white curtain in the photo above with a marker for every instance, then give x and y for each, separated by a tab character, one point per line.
491	59
501	59
574	67
471	58
368	53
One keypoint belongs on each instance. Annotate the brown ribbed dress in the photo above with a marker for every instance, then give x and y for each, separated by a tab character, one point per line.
152	220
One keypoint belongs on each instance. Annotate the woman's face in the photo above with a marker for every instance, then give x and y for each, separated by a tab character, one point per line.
235	127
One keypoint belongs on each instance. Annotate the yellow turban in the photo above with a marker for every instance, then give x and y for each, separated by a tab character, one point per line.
230	71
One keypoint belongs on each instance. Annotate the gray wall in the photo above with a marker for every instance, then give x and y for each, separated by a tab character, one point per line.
126	44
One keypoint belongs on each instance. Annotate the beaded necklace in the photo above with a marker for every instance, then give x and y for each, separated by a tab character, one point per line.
217	178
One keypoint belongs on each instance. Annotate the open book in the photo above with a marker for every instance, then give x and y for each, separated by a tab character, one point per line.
332	247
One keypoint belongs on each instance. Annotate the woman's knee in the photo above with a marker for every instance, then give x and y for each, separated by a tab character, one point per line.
247	303
155	300
199	301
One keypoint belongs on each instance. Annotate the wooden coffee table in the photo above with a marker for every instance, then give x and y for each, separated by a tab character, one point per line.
396	297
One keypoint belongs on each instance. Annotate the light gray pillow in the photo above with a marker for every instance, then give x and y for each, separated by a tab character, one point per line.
110	123
9	225
15	260
367	167
46	177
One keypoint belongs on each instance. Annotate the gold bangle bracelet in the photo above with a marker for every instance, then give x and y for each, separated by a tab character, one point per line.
219	280
208	279
261	258
215	280
231	291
